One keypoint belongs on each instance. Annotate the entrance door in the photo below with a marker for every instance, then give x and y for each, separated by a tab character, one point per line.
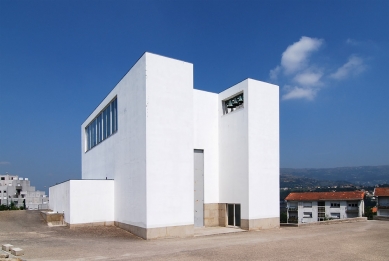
233	212
198	188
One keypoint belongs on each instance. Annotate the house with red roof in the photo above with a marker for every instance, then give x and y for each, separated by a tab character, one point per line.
382	195
309	207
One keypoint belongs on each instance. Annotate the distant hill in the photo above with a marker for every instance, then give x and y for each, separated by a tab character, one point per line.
364	175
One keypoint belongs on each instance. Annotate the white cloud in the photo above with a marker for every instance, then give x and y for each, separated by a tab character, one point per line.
352	42
308	78
354	65
296	55
299	93
302	78
5	163
274	73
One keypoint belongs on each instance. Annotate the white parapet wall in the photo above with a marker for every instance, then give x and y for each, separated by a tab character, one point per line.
84	202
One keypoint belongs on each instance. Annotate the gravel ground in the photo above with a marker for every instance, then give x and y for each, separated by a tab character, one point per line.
347	241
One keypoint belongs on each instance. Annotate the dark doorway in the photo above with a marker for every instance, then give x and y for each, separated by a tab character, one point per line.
233	214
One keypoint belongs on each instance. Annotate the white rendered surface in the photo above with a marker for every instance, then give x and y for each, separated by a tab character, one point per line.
169	142
122	156
60	199
84	201
263	150
233	151
206	137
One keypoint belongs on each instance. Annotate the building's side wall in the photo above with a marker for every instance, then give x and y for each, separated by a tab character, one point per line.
383	201
60	199
169	146
233	152
206	135
91	202
122	156
263	152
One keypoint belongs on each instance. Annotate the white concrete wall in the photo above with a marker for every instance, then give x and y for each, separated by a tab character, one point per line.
206	137
60	199
264	149
122	156
234	152
91	201
83	201
249	150
169	142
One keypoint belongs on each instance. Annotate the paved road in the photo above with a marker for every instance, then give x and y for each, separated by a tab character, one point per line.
347	241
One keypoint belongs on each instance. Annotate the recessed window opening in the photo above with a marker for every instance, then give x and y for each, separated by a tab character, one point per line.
335	205
102	126
233	104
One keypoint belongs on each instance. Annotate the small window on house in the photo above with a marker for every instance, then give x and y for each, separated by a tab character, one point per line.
307	215
2	178
335	215
233	104
307	204
335	205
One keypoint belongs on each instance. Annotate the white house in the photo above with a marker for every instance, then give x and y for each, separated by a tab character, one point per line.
160	158
308	207
382	195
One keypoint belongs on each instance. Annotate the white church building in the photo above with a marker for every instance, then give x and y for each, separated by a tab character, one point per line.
160	157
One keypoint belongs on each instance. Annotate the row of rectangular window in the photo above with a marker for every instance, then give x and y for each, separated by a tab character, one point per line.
104	125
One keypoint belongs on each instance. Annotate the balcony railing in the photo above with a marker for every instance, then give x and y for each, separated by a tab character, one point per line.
292	209
352	209
383	206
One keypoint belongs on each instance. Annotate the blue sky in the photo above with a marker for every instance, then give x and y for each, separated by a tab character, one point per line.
59	59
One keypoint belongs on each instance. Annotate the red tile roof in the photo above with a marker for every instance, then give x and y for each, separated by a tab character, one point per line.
381	192
313	196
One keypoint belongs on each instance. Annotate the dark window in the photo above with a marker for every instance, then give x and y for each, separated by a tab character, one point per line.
103	126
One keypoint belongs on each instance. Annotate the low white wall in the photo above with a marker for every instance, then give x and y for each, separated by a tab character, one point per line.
60	199
83	201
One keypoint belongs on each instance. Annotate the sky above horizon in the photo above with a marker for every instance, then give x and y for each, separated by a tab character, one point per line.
59	59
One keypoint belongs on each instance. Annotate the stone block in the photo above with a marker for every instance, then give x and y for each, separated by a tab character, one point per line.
17	251
6	247
4	255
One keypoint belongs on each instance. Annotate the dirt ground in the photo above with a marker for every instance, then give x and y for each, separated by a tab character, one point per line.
347	241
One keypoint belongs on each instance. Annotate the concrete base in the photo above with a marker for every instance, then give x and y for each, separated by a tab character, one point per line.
53	219
17	251
159	232
215	215
6	247
92	224
262	223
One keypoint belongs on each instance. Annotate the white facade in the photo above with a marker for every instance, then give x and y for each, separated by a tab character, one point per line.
382	195
161	120
309	210
19	191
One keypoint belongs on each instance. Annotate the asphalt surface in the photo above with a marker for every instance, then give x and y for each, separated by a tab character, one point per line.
347	241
